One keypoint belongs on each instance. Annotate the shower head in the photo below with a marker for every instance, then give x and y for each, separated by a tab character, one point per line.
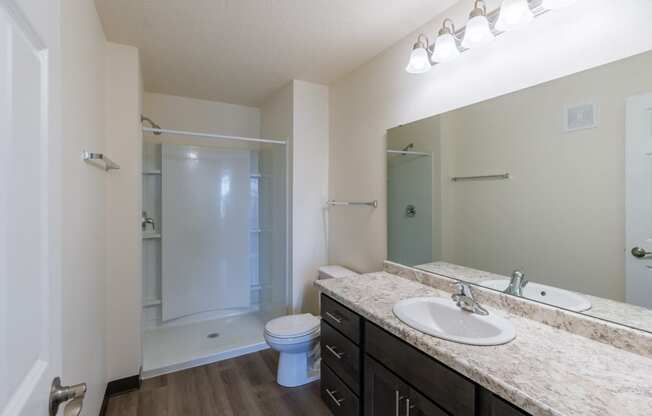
154	125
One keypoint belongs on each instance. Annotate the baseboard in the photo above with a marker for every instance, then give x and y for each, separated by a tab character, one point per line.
120	386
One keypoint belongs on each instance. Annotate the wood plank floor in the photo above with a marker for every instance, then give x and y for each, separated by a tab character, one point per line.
243	386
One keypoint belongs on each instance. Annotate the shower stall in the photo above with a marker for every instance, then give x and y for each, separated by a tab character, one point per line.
214	246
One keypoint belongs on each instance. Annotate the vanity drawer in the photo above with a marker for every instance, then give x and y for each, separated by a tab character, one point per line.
339	399
446	388
342	318
341	355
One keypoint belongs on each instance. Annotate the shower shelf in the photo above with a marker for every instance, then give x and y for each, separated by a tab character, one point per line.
152	172
151	236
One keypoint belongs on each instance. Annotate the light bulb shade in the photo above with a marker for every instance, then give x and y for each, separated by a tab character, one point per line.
477	32
419	61
445	48
556	4
514	14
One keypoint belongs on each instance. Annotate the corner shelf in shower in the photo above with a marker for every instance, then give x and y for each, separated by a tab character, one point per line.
151	236
152	172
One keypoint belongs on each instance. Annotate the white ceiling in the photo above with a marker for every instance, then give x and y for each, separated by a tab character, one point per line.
240	51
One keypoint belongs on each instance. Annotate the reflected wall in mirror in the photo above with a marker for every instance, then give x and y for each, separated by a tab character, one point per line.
554	181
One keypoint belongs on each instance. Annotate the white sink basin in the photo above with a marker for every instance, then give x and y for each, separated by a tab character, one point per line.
442	318
546	294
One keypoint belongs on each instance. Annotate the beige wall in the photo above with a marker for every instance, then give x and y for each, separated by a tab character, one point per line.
309	191
183	113
123	205
84	200
380	95
299	112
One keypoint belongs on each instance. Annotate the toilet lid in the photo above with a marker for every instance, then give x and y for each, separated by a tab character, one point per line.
292	325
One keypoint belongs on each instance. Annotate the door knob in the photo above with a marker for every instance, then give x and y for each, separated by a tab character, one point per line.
60	394
640	252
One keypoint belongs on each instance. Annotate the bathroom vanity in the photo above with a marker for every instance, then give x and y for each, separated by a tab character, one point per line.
368	371
373	364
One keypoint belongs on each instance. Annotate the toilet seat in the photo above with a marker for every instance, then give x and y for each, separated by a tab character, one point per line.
290	341
293	327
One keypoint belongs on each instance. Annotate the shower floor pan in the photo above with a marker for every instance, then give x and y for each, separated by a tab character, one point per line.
175	348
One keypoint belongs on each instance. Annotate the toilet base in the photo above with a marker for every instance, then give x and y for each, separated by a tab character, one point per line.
295	370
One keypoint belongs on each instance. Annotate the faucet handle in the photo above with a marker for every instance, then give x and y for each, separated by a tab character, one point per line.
464	289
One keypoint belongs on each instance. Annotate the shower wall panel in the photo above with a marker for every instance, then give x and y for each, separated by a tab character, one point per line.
206	201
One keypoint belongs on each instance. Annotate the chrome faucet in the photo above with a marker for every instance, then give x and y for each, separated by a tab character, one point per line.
517	283
148	220
465	300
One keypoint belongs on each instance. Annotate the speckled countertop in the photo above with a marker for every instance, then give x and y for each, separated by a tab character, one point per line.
545	371
610	310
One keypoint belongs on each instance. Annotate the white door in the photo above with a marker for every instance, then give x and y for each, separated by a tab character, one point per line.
638	206
30	289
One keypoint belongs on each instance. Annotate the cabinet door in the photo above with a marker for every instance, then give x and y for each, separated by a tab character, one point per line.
384	393
418	405
492	405
443	386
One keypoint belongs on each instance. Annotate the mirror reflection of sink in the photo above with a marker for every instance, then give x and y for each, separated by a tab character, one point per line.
546	294
442	318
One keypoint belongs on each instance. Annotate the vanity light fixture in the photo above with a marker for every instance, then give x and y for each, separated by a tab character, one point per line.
446	44
481	28
556	4
513	15
478	31
420	56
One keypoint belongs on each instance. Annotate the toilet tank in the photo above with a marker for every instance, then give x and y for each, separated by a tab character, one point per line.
328	272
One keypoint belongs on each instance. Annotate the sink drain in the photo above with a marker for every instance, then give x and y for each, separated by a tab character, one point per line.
213	335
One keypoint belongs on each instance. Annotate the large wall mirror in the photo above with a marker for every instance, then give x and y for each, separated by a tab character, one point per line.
554	181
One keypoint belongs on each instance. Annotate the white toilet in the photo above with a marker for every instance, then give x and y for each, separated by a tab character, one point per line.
296	337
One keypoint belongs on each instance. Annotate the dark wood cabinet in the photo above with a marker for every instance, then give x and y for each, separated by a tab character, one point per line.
341	355
341	318
384	393
341	372
450	390
492	405
337	396
418	405
368	371
387	395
